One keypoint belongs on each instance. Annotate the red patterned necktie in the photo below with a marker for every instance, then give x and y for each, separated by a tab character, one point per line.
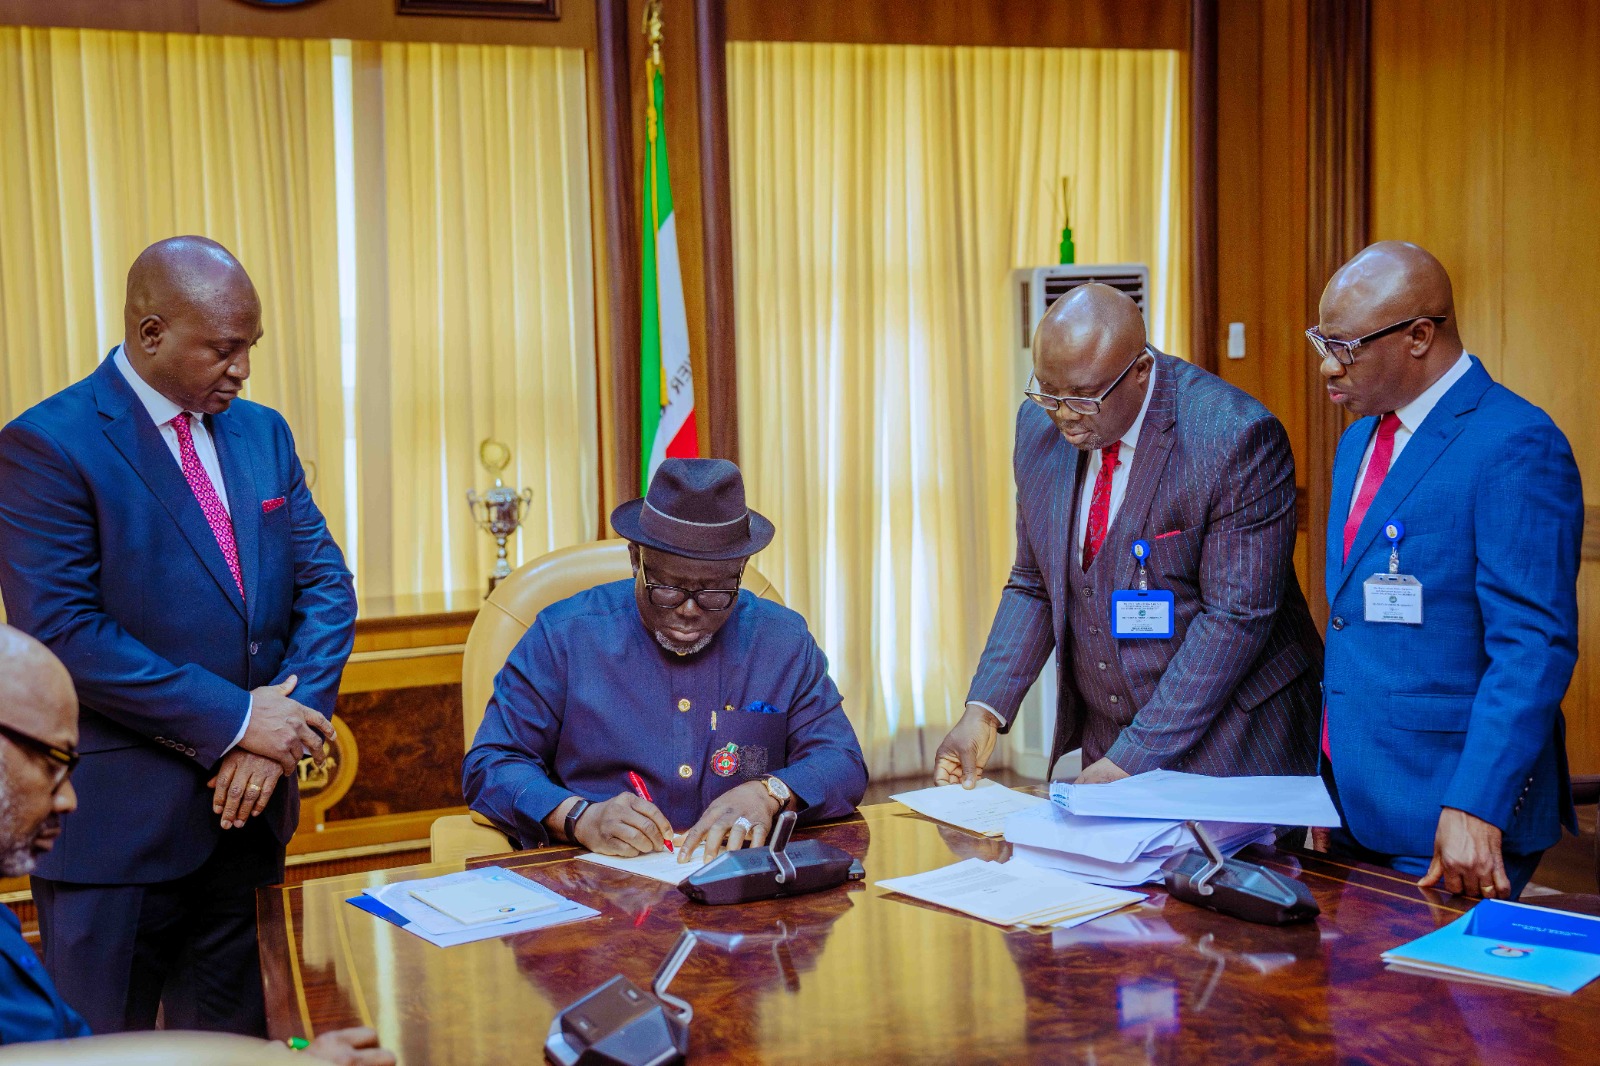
1100	505
205	494
1377	469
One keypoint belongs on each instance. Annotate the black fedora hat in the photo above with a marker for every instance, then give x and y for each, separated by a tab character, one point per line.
695	508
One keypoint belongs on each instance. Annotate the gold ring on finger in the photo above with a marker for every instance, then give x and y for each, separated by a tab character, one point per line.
253	788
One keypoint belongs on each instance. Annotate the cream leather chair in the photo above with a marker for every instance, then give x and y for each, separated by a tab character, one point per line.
504	617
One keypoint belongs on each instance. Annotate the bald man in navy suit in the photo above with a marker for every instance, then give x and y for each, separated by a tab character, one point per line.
156	533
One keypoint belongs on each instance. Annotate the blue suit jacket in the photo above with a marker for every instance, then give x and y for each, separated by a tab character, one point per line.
106	557
587	695
1464	710
1212	488
30	1007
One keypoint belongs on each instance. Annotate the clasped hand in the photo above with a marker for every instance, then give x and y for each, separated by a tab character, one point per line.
282	730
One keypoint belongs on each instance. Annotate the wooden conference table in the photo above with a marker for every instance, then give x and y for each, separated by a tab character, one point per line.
858	975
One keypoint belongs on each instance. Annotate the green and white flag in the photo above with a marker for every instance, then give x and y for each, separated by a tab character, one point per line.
666	385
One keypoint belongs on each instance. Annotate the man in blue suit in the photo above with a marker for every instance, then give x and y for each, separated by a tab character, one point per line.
1443	727
1147	449
672	700
156	533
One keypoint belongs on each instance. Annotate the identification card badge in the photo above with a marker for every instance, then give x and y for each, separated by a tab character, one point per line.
1143	613
1394	597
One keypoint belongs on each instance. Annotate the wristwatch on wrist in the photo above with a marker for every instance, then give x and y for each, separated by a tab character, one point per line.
777	790
569	829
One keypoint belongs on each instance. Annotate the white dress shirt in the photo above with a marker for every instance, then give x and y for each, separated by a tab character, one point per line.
1411	416
162	411
1119	489
1119	476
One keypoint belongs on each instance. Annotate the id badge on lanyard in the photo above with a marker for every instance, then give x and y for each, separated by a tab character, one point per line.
1143	613
1393	597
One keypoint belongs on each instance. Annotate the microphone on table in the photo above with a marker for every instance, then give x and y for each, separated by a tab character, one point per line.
1235	887
779	869
619	1024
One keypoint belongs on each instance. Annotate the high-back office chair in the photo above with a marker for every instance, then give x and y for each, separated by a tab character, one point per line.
504	617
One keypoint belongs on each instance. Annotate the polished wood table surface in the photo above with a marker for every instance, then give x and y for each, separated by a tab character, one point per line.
857	974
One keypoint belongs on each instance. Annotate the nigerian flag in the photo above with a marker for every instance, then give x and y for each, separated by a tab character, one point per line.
666	386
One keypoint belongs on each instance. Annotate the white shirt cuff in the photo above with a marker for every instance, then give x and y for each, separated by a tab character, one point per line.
991	710
243	726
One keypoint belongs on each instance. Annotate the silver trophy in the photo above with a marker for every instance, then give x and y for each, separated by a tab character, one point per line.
499	511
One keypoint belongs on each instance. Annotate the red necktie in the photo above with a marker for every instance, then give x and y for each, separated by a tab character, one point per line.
1377	468
205	494
1100	505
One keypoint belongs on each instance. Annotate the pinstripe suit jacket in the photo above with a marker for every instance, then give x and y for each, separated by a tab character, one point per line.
1235	691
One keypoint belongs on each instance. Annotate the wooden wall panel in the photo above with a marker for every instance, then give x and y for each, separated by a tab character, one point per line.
1261	204
1550	326
1056	24
1438	147
1261	211
1486	137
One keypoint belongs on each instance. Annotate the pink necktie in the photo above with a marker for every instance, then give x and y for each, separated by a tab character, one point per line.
205	494
1100	504
1377	469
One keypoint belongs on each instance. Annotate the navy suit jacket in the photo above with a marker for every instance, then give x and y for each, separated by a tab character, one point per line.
1233	692
1464	710
107	558
587	695
30	1007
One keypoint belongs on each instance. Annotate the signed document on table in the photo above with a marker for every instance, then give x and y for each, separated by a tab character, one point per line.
660	865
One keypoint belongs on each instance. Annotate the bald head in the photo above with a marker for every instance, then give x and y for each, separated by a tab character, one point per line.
1083	345
36	693
180	272
1392	280
38	706
191	317
1089	324
1386	284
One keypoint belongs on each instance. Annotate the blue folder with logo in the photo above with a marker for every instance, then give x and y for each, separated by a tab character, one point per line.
1511	945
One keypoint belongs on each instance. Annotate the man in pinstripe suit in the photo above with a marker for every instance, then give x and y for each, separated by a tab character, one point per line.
1117	443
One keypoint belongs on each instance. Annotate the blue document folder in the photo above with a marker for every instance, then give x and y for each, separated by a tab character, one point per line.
1511	945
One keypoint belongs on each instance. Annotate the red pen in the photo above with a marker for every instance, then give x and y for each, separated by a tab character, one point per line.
644	794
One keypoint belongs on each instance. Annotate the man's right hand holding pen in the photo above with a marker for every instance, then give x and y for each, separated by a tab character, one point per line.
624	825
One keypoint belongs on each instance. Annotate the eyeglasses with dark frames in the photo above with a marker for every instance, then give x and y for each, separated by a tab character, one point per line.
670	596
1083	405
1344	352
64	759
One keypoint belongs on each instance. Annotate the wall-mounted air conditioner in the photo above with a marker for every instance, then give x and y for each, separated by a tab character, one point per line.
1036	288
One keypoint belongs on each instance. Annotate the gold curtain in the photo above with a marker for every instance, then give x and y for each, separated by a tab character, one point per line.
475	300
110	141
881	197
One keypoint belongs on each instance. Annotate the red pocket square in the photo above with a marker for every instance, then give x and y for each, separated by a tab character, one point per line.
268	506
1171	533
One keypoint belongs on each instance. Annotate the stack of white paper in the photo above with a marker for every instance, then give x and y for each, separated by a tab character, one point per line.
1012	894
529	904
980	809
1121	833
1171	794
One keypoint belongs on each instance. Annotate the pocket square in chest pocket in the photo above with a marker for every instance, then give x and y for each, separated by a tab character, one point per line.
268	506
760	707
